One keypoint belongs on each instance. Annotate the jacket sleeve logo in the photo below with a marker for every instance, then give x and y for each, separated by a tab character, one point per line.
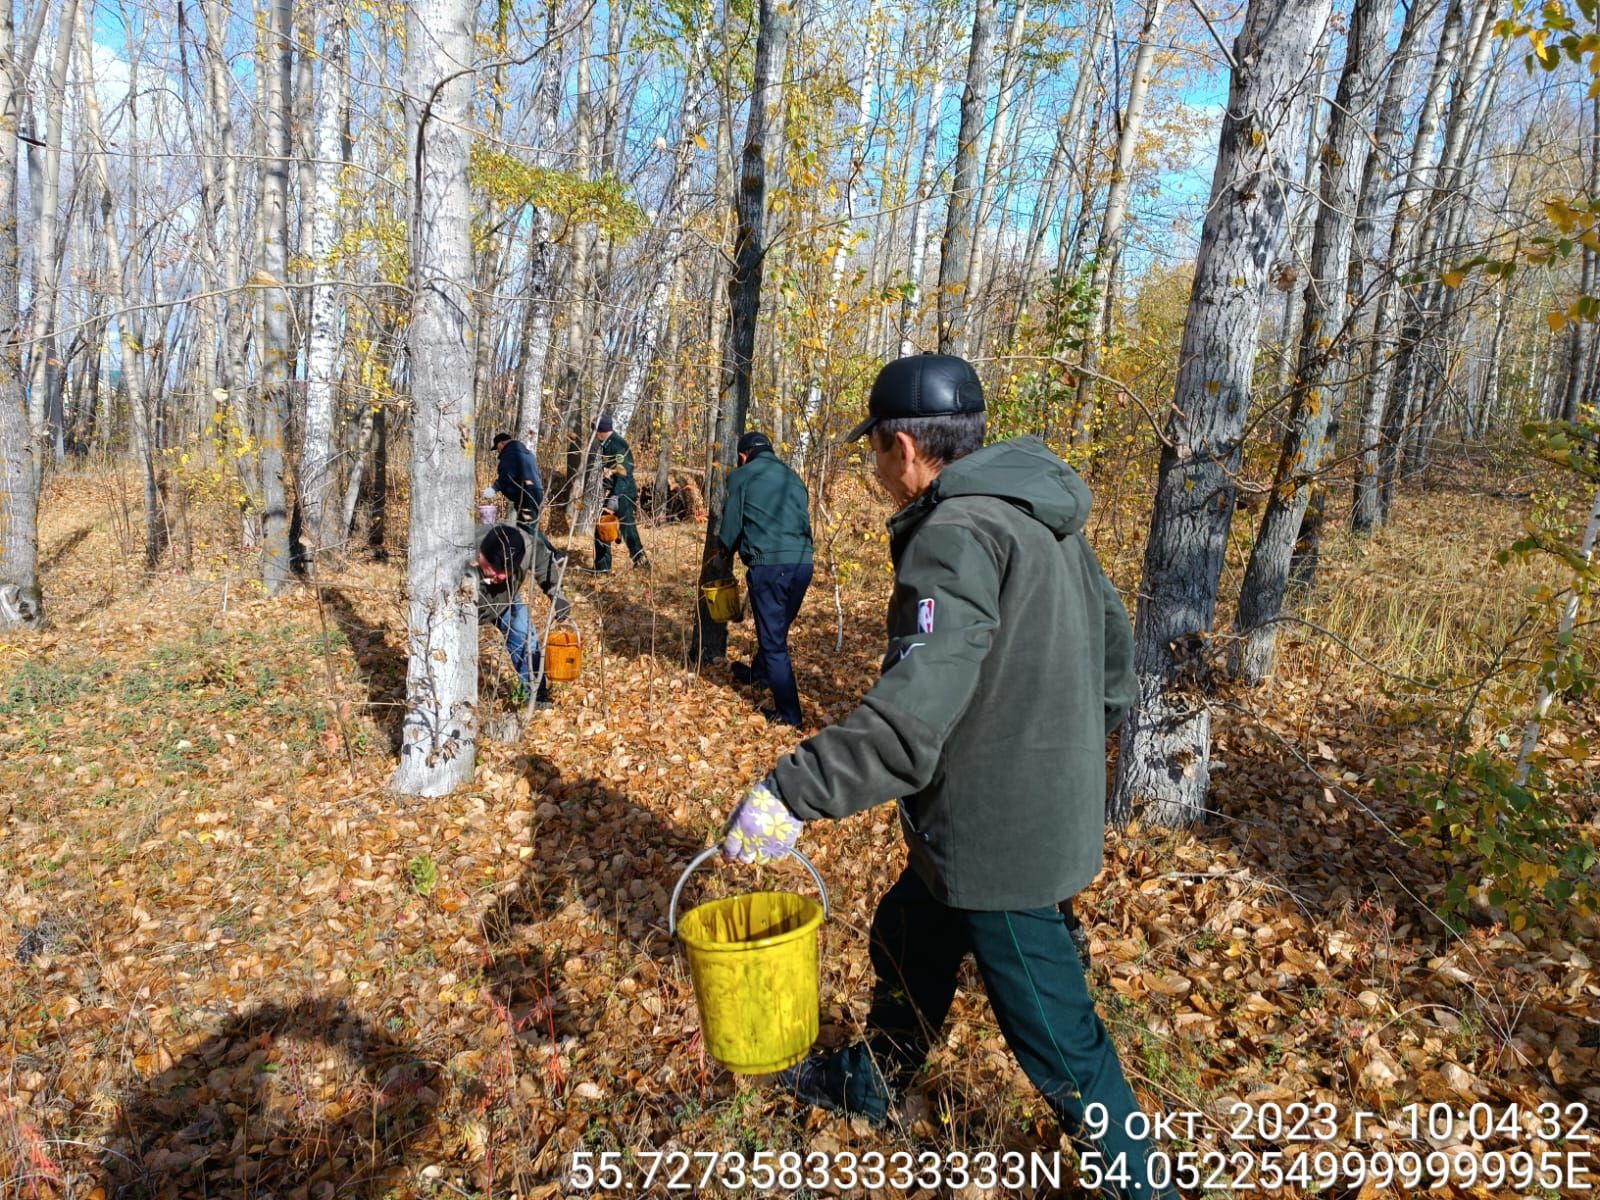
924	616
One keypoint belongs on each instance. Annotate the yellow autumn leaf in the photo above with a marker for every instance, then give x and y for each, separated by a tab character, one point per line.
1556	320
1454	279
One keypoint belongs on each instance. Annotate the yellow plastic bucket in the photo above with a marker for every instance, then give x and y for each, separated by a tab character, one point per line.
753	959
723	601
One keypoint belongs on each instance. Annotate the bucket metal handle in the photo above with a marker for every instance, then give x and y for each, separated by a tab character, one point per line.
710	851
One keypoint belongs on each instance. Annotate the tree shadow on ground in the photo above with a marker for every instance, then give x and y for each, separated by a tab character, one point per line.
383	667
299	1100
67	545
595	854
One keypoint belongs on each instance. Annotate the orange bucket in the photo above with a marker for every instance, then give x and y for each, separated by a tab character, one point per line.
563	656
608	528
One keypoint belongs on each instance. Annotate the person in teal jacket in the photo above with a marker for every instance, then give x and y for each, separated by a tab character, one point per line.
766	519
622	495
1009	661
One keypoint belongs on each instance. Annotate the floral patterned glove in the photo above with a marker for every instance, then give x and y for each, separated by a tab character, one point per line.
761	829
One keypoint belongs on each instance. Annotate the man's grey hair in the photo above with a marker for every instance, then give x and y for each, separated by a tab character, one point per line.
943	439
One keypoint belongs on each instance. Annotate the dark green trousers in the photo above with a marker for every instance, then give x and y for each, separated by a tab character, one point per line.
1036	988
628	518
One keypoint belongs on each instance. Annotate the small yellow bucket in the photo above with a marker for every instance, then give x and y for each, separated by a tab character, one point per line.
608	528
563	656
723	600
754	963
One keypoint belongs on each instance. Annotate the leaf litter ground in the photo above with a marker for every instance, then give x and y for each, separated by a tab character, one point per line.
235	966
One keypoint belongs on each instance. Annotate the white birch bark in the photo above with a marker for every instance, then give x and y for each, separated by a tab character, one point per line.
537	313
1004	102
1109	250
44	386
20	601
652	316
1368	513
317	479
927	180
1069	135
439	735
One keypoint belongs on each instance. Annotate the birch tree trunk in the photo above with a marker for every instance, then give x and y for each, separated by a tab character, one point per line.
537	313
710	641
317	480
653	316
1109	252
1324	343
1368	511
1409	392
857	148
276	307
1166	743
1068	136
232	309
1004	102
44	386
1294	255
927	179
20	599
955	251
439	735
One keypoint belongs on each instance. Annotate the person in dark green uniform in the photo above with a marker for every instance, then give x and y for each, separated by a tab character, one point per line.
1009	661
766	519
622	494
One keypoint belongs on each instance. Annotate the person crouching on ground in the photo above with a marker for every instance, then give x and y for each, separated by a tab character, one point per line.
505	556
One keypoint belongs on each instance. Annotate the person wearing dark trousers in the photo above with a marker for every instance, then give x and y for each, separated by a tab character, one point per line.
504	559
1009	661
622	495
518	481
766	519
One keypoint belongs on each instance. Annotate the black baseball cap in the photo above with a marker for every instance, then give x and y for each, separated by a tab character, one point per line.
753	441
922	385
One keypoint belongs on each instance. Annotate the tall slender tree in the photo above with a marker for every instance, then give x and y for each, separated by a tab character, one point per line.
438	742
955	251
1166	743
20	601
274	332
318	490
1324	342
710	641
1108	250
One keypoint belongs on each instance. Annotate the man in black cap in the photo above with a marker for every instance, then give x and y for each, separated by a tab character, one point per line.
767	520
518	481
622	494
504	559
1009	661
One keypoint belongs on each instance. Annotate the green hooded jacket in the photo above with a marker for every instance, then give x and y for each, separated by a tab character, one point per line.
616	455
767	516
1010	659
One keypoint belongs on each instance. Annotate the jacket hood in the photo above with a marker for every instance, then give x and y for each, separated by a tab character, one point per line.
1025	473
